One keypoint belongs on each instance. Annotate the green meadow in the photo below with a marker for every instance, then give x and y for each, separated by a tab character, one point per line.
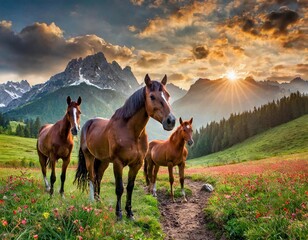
268	205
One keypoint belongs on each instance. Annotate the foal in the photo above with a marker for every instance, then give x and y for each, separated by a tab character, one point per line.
170	153
56	141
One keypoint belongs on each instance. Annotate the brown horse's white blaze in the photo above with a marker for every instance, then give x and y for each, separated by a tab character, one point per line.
122	140
169	153
56	141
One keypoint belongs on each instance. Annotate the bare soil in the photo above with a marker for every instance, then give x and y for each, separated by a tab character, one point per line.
185	220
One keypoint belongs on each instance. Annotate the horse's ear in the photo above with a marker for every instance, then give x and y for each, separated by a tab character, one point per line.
79	101
164	81
148	81
181	121
68	100
191	120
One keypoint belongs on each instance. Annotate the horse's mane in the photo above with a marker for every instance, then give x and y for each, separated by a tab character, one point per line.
134	103
131	105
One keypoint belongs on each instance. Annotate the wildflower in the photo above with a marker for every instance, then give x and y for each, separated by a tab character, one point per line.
79	237
4	223
26	206
46	215
227	196
76	221
5	197
14	212
81	229
258	215
33	200
2	201
24	221
35	236
56	212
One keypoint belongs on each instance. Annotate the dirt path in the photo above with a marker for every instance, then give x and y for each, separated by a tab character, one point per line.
185	220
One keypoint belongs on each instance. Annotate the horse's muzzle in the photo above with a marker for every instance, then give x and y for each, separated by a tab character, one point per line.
169	122
190	142
74	131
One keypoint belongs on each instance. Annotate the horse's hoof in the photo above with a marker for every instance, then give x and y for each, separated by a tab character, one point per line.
184	200
154	194
119	216
47	190
131	217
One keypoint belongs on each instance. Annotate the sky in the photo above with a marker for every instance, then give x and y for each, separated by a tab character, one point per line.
187	40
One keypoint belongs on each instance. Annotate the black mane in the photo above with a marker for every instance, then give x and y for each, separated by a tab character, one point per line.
135	102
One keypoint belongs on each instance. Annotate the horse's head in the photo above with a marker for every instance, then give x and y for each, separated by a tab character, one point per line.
73	114
157	102
187	131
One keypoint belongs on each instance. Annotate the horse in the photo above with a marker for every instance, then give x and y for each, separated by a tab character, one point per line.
122	140
170	153
56	141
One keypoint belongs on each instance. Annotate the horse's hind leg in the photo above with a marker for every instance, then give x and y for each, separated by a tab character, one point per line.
65	163
99	167
181	173
171	179
132	173
43	162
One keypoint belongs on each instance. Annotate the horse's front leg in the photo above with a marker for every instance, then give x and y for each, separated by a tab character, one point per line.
181	173
171	179
65	163
156	168
118	171
132	173
53	178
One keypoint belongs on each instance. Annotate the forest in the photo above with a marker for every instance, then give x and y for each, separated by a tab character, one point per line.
217	136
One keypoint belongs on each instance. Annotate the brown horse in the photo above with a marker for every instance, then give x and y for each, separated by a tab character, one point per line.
122	140
170	153
56	141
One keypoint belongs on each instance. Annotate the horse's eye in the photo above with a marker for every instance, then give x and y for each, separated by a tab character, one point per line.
152	97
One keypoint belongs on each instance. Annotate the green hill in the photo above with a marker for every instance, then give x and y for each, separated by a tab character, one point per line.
19	151
50	108
285	139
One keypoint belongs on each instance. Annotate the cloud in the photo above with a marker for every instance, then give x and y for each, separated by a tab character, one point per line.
176	77
137	2
41	49
279	21
150	59
182	17
200	52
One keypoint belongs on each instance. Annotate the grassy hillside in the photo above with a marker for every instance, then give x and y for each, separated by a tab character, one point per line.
283	140
19	151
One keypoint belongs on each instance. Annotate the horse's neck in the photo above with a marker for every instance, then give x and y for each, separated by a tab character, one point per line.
65	127
176	140
138	122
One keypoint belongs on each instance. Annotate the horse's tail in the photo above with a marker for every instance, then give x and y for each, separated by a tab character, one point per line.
82	173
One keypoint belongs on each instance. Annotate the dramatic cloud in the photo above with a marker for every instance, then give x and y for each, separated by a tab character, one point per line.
181	18
137	2
41	49
200	52
150	60
279	21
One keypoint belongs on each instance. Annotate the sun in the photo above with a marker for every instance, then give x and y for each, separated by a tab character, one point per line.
231	75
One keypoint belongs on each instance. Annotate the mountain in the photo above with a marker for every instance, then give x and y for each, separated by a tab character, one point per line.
51	107
297	84
12	90
93	70
209	100
175	92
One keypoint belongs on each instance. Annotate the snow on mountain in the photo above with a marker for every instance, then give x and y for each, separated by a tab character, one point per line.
12	90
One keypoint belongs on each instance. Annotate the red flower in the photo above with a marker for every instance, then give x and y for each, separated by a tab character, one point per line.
81	229
258	215
4	223
24	221
35	236
2	201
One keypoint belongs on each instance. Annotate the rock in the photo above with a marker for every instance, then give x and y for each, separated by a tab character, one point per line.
207	188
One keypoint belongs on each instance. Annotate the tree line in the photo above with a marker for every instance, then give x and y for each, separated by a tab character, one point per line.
217	136
25	128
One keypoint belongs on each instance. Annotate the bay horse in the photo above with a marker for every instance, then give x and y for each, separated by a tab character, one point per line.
56	141
170	153
122	140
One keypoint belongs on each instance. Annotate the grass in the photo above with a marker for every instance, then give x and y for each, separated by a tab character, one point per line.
264	204
27	212
11	148
283	140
